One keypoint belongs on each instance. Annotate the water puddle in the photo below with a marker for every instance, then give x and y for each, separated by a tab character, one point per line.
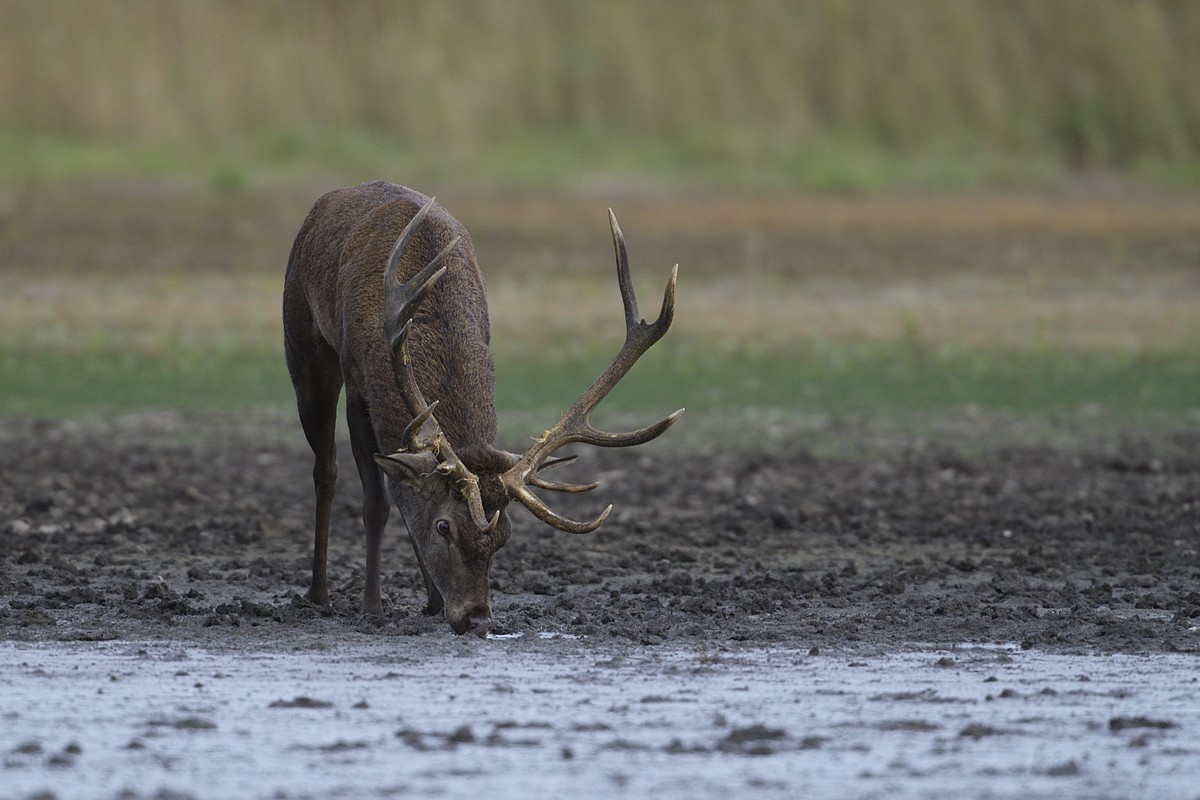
556	717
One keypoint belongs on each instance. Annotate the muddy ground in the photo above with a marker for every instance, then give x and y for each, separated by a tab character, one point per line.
843	611
170	525
966	606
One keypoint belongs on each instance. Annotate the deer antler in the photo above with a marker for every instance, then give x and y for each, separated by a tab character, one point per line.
574	425
400	304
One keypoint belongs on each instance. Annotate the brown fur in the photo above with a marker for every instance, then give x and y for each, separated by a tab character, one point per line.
334	334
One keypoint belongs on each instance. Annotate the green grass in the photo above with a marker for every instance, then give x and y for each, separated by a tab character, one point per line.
533	159
56	385
881	380
890	381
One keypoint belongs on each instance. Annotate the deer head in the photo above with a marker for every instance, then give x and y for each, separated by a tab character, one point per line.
454	534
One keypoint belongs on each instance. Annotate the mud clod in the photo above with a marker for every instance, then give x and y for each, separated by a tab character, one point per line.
301	701
1117	724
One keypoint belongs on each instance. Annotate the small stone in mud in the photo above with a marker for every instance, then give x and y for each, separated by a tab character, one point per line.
1066	769
413	739
977	731
301	701
193	724
158	590
462	736
622	744
497	739
919	725
1124	723
656	698
751	740
342	746
251	609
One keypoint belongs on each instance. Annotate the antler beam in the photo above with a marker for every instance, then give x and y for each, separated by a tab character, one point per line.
574	425
401	301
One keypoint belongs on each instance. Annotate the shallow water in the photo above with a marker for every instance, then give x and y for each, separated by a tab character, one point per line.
530	717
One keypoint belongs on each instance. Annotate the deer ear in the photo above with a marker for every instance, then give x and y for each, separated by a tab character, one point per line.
407	468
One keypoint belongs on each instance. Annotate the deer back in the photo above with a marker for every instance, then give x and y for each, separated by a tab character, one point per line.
335	273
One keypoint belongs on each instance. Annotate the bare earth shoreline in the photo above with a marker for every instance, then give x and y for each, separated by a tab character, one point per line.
171	522
776	621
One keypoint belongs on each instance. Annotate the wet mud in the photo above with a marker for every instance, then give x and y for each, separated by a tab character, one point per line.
172	525
911	616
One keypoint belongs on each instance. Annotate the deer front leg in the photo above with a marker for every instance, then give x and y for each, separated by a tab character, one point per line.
375	516
376	507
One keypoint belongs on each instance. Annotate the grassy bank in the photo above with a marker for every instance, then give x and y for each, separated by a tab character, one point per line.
130	295
888	381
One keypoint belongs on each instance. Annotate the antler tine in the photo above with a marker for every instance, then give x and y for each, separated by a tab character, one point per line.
400	303
628	298
558	486
536	479
542	511
403	299
574	426
396	293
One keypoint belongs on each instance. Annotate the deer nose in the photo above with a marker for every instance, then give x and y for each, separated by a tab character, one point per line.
480	621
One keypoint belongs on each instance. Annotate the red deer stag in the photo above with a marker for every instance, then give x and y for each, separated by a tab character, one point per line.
383	294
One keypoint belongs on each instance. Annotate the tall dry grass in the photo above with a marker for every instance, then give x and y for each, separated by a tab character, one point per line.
1094	82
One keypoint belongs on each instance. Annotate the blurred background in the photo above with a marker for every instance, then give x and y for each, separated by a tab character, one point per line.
879	208
824	94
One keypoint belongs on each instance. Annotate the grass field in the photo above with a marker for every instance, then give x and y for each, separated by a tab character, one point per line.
888	308
880	209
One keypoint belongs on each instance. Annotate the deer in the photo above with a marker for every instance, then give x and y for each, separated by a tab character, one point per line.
383	296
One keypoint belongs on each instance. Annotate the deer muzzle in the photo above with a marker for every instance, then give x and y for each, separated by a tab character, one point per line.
477	620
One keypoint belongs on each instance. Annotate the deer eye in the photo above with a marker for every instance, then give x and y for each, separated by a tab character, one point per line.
442	527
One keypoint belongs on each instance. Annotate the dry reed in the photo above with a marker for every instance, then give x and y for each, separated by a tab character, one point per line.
1086	81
